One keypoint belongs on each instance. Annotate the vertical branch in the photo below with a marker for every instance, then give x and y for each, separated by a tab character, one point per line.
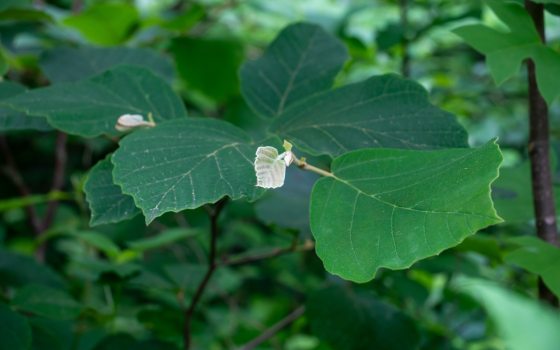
405	62
543	196
214	213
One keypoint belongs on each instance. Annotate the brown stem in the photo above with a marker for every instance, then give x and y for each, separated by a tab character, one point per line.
60	158
12	172
543	197
270	332
405	62
212	265
244	260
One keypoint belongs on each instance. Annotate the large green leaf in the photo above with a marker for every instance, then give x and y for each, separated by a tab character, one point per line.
303	60
209	65
14	120
64	64
183	164
538	257
107	202
351	320
505	51
384	111
108	23
47	302
16	333
522	323
91	107
390	208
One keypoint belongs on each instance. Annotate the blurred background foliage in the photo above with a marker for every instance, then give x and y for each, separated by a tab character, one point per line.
125	285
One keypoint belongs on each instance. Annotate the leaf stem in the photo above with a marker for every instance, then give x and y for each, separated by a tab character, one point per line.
302	164
214	213
541	178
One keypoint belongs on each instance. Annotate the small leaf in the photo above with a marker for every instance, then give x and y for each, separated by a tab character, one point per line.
384	111
47	302
65	64
301	61
16	333
522	323
390	208
355	321
17	270
184	164
538	257
269	167
91	107
107	202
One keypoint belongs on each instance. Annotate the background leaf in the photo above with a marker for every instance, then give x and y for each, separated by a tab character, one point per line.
91	107
13	120
107	23
63	64
352	320
522	323
390	208
301	61
16	333
208	65
538	257
47	302
384	111
184	164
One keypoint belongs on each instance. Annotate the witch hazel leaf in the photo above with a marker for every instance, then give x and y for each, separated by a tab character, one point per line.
269	167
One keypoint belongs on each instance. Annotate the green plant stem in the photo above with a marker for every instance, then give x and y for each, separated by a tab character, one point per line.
278	326
214	213
543	196
302	164
250	259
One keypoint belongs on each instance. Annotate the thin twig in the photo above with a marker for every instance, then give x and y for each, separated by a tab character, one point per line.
60	158
12	172
214	213
541	178
270	332
244	260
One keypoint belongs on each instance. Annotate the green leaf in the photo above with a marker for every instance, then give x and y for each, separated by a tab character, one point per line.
6	4
384	111
14	120
162	239
25	15
538	257
47	302
91	107
16	269
351	320
16	333
98	241
506	51
209	65
513	196
390	208
107	202
63	64
184	164
105	23
522	323
301	61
